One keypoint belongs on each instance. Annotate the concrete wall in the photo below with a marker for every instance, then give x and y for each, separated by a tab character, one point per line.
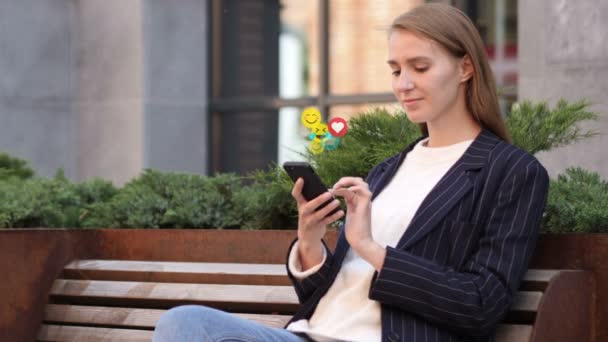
175	85
563	52
108	73
107	88
104	88
36	84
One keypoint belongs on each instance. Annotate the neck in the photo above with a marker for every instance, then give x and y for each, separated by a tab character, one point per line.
445	136
453	127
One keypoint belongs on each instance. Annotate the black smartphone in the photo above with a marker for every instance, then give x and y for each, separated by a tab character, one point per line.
313	186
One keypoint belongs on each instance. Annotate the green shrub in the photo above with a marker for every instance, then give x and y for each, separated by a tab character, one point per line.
535	127
98	215
267	201
372	137
95	190
39	202
172	200
206	202
377	134
14	167
578	202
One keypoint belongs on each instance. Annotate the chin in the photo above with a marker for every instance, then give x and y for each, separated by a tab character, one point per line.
416	118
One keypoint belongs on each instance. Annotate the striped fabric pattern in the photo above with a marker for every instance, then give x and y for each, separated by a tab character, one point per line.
453	273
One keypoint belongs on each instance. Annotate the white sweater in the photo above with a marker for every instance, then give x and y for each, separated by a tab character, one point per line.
345	312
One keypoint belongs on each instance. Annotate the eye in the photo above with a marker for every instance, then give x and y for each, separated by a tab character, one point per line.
421	69
396	72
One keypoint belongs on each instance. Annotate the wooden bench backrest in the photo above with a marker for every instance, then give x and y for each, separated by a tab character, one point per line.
124	299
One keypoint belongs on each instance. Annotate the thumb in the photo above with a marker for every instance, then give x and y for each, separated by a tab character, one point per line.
348	195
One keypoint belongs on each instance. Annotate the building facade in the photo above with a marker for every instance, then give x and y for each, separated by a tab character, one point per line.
110	88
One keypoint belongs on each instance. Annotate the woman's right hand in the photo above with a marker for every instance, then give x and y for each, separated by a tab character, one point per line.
312	224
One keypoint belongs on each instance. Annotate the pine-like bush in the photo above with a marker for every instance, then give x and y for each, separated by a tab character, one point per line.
535	127
372	137
39	202
267	200
378	134
578	202
172	200
262	200
14	167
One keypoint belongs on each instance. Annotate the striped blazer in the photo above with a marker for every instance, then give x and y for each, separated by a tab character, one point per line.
453	273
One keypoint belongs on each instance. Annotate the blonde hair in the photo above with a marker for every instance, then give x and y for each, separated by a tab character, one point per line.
452	29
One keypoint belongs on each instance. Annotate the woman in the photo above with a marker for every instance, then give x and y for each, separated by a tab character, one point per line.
437	238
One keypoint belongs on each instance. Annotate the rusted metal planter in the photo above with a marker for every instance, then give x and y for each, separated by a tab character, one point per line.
32	258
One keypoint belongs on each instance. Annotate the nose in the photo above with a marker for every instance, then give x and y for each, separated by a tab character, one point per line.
404	82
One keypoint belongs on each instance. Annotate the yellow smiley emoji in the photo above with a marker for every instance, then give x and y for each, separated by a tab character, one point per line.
319	130
310	117
315	147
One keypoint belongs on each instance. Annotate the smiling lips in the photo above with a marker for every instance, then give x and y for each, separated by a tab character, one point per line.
411	101
412	104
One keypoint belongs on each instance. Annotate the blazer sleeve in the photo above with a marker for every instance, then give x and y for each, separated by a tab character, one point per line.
474	299
307	286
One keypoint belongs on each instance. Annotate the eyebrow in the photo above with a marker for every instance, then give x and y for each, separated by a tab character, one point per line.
410	60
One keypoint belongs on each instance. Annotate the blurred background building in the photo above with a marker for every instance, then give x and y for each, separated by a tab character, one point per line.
108	88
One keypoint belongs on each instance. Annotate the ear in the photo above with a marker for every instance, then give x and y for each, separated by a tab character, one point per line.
466	69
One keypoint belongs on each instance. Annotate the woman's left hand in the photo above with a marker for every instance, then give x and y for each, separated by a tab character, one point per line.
358	200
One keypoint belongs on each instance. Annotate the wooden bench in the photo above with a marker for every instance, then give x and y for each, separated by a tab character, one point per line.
101	300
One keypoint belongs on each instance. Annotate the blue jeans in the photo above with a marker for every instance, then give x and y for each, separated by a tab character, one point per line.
200	323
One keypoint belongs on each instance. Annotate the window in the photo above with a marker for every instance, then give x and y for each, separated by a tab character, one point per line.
272	58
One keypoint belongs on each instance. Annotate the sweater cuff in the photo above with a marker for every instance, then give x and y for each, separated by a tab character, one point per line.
295	266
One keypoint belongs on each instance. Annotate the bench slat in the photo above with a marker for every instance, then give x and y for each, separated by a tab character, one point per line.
178	272
147	318
537	280
219	273
102	316
526	301
524	308
68	333
166	295
540	275
513	333
129	317
505	333
231	297
185	267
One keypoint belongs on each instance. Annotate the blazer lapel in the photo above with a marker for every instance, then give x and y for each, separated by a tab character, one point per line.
449	190
454	184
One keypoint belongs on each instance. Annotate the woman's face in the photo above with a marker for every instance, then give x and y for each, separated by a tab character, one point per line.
426	78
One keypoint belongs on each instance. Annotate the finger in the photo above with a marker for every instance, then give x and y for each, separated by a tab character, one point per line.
345	193
296	192
357	189
346	182
332	218
312	205
360	190
321	213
